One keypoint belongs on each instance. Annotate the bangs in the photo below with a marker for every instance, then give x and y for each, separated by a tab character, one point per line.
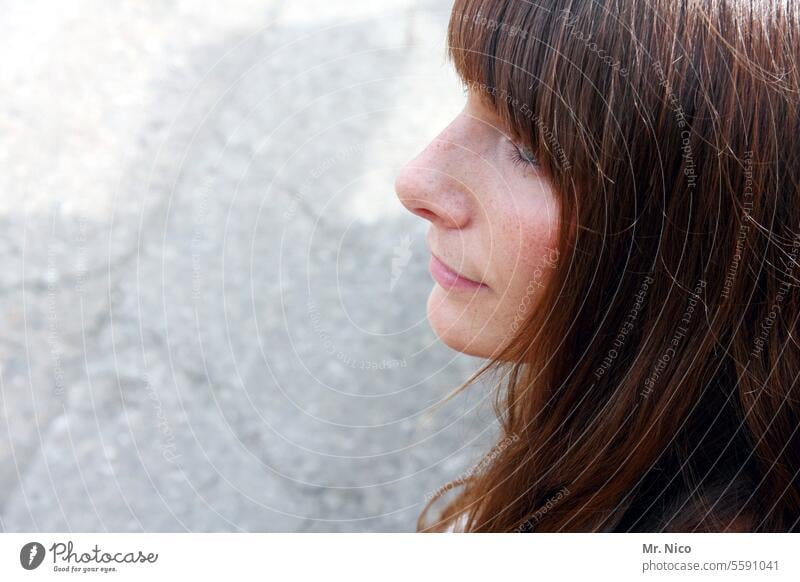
517	57
498	51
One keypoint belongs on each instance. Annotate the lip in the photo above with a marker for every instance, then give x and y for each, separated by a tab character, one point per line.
449	279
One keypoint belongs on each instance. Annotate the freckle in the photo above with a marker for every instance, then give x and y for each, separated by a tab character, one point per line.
444	145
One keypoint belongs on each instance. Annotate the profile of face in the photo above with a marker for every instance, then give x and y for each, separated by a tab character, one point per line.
493	225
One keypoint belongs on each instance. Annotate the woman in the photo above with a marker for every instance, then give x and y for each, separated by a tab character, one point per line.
615	225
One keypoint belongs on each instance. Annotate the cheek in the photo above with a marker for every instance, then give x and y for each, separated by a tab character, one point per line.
516	241
524	237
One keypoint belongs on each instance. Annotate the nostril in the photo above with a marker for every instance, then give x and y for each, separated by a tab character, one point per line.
425	213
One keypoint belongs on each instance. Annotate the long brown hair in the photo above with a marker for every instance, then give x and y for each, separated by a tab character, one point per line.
655	385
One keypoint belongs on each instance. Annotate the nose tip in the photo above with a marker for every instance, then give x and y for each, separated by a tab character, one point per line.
406	186
431	195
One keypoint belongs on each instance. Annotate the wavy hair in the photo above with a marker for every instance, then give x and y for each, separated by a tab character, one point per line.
655	385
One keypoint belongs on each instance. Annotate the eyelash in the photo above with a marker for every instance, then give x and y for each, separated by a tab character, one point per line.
522	156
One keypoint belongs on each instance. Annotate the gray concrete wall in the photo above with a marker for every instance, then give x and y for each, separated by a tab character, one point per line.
213	306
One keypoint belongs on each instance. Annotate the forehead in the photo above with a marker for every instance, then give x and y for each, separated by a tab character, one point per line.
480	107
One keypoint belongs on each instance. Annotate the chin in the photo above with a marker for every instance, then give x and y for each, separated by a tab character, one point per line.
454	325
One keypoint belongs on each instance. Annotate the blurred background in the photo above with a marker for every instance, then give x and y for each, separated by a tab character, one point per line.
213	305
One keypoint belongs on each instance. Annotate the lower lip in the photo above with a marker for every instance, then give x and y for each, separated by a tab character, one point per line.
449	279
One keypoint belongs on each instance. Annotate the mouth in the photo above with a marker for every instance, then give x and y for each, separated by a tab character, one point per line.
450	279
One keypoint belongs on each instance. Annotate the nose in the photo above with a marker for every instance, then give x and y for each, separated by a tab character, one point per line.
434	184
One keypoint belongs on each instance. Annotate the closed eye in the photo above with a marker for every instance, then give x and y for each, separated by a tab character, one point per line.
523	156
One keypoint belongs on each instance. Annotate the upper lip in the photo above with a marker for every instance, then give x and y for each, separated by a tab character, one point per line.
438	258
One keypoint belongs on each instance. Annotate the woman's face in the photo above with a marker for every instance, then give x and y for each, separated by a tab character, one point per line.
493	225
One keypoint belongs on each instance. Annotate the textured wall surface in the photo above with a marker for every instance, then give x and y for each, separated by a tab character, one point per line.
213	305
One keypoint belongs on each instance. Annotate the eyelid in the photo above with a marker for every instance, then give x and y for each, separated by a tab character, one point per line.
524	153
527	152
516	143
